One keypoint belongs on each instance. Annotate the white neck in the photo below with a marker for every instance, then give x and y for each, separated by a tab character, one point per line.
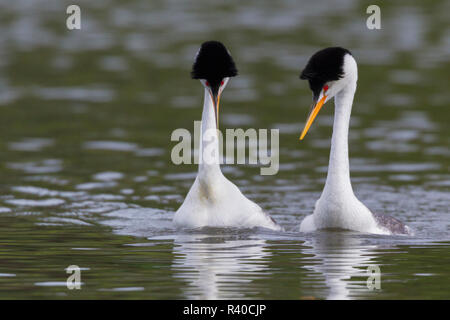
209	144
338	178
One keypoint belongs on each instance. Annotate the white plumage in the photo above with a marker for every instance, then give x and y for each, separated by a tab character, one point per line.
213	200
338	206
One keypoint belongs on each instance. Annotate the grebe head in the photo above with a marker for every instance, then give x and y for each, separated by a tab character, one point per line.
328	72
214	66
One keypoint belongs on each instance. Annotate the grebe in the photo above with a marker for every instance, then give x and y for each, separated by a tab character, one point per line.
333	72
213	200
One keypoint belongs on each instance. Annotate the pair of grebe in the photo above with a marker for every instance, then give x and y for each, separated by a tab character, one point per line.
215	201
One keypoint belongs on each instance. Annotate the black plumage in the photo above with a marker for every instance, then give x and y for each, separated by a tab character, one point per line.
324	66
213	63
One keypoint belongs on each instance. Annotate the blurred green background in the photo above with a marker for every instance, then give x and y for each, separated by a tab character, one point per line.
85	145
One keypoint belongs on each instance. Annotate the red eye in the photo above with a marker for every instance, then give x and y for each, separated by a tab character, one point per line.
221	83
325	88
207	83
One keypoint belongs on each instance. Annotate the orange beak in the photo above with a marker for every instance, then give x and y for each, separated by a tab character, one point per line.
312	115
217	111
216	101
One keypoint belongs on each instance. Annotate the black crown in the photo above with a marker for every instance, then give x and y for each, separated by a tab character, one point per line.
325	65
213	63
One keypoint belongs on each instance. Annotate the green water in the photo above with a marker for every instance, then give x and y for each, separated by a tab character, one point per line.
86	175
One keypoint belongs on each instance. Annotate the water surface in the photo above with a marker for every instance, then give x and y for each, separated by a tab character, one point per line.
86	176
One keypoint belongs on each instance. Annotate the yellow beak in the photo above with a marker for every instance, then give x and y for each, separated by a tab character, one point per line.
216	102
312	115
217	111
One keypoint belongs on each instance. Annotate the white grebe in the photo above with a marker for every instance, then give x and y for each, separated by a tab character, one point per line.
332	72
213	200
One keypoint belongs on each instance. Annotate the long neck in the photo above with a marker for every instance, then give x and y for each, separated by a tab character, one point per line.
209	144
338	178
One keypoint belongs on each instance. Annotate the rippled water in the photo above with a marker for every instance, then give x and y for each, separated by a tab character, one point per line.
86	176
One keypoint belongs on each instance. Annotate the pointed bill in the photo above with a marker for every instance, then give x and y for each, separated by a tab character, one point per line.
216	101
315	108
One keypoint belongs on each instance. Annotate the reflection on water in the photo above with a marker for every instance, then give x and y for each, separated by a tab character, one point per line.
86	176
215	267
340	257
